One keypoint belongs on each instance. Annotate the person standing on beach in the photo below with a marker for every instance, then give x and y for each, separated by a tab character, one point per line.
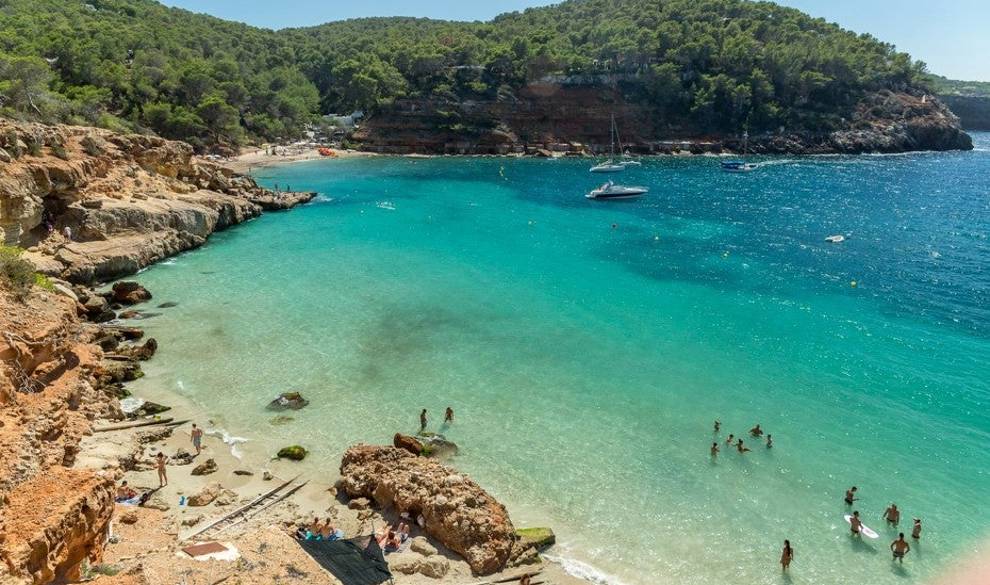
449	415
892	514
160	461
900	547
714	449
422	421
855	524
851	495
197	439
787	555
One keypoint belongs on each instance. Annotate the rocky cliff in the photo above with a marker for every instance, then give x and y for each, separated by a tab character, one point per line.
52	516
92	205
973	111
575	119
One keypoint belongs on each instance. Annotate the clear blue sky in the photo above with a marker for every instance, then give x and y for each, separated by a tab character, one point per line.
952	36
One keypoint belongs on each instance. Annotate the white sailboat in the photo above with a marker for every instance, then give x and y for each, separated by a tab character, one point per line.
610	166
739	166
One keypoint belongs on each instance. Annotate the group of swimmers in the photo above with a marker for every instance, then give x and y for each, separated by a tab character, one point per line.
899	547
424	419
755	432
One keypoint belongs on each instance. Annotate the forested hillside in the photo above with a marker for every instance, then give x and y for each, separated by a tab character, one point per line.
137	64
713	65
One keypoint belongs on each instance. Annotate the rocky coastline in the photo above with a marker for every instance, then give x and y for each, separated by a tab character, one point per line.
561	120
91	206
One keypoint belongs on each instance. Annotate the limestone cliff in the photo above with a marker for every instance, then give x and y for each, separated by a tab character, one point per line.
92	205
52	516
575	119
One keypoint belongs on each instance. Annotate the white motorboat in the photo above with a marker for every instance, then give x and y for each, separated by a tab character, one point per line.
737	166
612	191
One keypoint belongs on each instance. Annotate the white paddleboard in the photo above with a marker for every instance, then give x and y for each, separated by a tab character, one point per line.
863	528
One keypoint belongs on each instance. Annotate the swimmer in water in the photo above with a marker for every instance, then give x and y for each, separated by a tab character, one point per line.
714	450
769	441
729	440
718	426
741	448
851	495
900	547
892	514
855	524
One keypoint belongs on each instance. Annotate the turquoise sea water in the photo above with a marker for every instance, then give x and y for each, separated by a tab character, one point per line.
587	347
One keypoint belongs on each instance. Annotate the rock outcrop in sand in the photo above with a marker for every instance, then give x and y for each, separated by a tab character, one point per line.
455	510
91	205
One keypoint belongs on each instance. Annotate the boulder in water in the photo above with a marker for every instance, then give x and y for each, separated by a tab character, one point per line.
288	401
408	443
130	293
293	452
438	446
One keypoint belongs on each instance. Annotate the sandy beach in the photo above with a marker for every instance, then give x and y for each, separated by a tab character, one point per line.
148	539
258	157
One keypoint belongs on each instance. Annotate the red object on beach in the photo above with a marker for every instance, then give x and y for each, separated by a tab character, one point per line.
327	152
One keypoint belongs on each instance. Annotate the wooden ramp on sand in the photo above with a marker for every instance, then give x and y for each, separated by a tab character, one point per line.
255	506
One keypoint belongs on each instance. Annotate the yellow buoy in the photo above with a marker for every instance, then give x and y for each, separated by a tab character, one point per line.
853	284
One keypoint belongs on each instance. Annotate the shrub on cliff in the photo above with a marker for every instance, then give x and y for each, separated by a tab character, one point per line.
19	274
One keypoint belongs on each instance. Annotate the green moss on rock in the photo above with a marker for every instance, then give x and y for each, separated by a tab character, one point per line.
294	452
540	538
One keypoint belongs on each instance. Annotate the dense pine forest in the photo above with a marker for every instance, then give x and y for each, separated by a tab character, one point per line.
721	65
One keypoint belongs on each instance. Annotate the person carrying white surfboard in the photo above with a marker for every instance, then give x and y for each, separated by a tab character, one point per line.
855	524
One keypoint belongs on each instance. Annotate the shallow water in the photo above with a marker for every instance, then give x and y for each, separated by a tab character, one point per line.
587	347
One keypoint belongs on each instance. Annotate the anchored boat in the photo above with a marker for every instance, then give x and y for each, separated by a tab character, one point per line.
612	191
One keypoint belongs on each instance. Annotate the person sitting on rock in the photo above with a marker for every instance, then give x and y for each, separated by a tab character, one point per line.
328	532
403	531
310	531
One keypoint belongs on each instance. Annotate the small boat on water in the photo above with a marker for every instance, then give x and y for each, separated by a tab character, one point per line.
612	191
836	239
737	166
610	166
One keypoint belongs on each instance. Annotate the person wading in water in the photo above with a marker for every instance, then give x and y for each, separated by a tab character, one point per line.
423	420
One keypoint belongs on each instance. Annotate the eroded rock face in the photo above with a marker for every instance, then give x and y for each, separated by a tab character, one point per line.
548	118
52	517
116	203
456	511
